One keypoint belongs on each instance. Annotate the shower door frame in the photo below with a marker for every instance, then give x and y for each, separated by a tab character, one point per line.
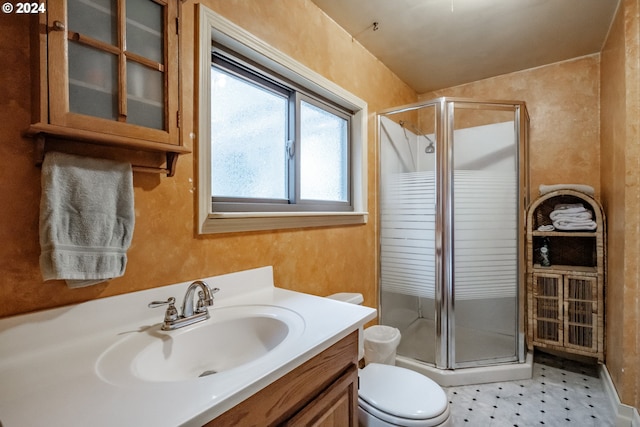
444	297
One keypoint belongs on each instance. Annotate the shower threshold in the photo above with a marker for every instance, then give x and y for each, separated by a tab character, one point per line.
471	345
467	376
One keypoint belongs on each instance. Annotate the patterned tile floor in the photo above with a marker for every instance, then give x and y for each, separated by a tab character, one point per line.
561	393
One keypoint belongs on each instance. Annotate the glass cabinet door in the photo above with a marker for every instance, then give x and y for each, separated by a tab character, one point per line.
119	68
145	63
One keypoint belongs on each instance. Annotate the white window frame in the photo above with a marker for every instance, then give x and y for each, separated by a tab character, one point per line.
213	27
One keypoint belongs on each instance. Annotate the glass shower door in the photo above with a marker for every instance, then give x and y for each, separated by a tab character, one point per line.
453	180
407	230
483	313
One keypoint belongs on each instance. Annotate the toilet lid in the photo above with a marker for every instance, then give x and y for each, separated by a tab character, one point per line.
401	392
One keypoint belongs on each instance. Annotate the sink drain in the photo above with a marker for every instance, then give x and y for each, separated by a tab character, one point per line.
206	373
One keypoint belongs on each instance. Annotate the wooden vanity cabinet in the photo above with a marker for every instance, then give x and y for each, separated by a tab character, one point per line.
106	73
323	392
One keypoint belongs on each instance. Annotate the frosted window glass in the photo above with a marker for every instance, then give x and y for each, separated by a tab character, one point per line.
323	155
248	138
144	29
95	18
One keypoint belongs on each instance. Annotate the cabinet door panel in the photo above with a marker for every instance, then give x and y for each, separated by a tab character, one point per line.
547	308
335	407
581	308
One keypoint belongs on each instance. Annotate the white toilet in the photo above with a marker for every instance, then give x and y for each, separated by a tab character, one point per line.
393	396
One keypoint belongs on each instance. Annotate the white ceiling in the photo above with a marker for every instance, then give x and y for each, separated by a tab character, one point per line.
434	44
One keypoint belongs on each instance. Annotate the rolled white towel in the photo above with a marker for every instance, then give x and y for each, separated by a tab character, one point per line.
586	189
546	228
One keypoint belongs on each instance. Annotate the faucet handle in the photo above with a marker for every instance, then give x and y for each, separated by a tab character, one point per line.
204	302
155	304
171	314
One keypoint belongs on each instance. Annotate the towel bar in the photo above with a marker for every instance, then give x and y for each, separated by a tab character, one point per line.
172	158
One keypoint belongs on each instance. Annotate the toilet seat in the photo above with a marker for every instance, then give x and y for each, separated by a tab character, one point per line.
402	397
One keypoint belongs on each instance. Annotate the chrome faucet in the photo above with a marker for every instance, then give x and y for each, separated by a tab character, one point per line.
189	316
205	298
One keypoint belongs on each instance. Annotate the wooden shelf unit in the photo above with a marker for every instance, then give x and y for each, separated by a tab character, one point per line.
565	301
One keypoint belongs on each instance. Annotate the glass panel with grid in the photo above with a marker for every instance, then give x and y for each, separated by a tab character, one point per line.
119	65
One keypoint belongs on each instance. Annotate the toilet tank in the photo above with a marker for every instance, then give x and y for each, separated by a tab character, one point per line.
350	297
358	299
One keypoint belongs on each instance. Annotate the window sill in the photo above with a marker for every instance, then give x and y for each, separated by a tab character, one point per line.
260	221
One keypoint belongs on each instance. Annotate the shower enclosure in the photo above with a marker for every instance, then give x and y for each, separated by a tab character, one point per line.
454	186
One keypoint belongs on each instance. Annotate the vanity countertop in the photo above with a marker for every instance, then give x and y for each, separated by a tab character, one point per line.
50	360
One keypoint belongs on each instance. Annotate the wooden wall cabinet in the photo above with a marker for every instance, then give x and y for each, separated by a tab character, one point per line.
323	392
565	301
106	73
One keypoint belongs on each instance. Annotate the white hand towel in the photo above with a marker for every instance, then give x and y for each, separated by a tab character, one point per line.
546	228
86	218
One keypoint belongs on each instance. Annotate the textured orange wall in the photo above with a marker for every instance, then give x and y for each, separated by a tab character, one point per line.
165	247
620	116
562	101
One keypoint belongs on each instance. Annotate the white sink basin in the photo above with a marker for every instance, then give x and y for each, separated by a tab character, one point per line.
233	337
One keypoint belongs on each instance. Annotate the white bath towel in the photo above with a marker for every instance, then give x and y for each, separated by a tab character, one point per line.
556	215
546	228
86	218
586	189
575	225
570	208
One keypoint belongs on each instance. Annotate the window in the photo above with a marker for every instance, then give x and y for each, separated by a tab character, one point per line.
279	145
274	147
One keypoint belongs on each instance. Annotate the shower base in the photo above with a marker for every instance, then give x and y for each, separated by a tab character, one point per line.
471	344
